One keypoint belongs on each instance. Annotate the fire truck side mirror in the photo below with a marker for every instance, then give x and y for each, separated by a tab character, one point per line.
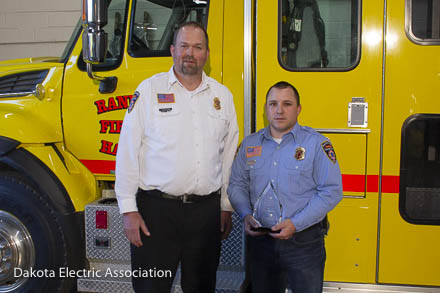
94	38
94	41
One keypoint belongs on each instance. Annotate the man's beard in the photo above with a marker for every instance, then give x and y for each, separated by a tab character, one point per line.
189	70
192	69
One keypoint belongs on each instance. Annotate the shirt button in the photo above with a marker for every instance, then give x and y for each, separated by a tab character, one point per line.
278	147
274	163
273	180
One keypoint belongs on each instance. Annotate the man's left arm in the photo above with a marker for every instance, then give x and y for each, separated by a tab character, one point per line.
328	194
327	175
230	147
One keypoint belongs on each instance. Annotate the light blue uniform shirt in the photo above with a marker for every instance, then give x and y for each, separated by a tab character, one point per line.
303	169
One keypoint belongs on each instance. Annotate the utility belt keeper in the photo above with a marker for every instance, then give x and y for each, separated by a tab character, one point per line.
185	198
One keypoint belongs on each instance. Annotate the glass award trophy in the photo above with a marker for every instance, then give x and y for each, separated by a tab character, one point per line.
267	209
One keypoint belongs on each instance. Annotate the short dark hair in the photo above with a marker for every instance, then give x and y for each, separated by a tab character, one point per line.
282	85
193	24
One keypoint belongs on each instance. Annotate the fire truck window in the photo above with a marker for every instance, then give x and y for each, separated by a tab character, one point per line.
419	200
115	33
115	29
154	22
71	43
424	20
319	34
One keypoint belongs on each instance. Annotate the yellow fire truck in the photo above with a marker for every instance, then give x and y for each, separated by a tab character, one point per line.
369	76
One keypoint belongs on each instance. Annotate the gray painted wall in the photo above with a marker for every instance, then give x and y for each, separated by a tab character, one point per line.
32	28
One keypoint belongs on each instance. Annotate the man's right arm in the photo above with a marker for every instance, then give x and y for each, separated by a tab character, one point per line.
127	170
127	157
239	192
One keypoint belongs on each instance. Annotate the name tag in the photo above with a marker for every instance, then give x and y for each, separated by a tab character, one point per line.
165	110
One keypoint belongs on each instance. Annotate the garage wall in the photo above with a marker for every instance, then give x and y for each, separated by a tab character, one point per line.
32	28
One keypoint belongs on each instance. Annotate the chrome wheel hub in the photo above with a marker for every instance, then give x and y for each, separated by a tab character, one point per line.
17	252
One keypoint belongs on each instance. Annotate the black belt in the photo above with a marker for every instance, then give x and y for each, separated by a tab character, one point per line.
186	198
324	225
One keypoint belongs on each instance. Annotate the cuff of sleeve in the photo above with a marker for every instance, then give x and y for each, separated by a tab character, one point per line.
299	225
225	204
243	213
127	205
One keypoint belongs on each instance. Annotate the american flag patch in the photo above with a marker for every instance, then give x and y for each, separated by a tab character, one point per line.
165	98
253	151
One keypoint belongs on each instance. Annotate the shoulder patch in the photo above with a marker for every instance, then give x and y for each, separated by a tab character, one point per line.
133	100
329	151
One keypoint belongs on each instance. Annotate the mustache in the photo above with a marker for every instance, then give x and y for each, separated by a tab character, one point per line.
189	58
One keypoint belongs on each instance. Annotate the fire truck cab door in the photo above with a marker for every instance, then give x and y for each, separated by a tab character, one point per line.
316	46
410	203
378	101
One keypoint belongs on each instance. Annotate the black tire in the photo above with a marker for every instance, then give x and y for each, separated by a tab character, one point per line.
23	206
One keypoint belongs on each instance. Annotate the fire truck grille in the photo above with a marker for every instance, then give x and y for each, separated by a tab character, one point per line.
24	82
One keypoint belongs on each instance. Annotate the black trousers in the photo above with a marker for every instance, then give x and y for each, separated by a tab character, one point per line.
188	233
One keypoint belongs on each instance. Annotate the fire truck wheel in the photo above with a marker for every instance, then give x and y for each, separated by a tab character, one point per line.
32	243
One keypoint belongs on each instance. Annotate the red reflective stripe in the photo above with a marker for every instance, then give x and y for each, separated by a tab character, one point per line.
350	182
356	183
100	166
373	183
390	184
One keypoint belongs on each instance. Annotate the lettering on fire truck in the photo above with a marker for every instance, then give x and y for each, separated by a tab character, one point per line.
118	103
111	126
108	148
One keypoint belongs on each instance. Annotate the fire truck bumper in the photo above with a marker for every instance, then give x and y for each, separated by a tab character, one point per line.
108	254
